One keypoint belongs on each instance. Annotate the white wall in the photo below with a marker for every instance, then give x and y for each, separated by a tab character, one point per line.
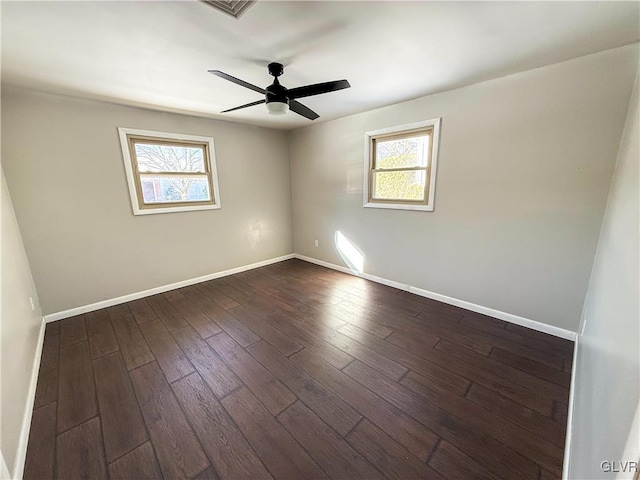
20	328
64	166
607	376
524	168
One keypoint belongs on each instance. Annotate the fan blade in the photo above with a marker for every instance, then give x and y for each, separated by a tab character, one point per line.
317	89
300	109
237	81
244	106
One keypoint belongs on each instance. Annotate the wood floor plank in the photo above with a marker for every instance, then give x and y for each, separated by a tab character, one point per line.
173	295
531	367
142	311
47	386
418	388
40	460
271	304
517	413
540	356
208	474
52	328
167	313
193	295
566	346
72	330
79	452
281	454
258	281
324	349
231	291
384	306
411	338
50	351
102	339
212	369
452	463
266	331
122	425
544	343
539	450
177	449
195	317
328	449
238	284
494	455
326	404
511	382
134	348
439	375
116	311
236	329
76	395
449	363
172	360
216	296
544	475
225	446
139	464
567	365
560	413
359	318
403	428
357	350
271	392
391	458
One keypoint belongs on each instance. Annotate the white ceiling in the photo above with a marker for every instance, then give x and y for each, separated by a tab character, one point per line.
156	54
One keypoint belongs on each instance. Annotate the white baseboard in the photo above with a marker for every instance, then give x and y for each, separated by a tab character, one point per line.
566	463
21	454
507	317
52	317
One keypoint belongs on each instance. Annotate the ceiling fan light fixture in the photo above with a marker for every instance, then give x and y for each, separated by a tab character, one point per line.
278	98
277	108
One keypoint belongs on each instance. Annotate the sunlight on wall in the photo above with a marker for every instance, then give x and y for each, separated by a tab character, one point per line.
351	254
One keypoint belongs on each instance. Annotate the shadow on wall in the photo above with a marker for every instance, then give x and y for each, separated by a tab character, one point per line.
352	255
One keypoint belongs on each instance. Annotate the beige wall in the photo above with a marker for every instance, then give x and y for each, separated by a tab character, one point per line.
607	376
524	167
64	167
19	330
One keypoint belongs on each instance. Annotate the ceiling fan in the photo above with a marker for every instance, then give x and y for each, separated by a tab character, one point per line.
280	99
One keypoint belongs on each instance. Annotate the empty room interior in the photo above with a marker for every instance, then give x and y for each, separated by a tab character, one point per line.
300	240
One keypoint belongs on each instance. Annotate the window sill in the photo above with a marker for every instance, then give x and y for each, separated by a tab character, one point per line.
400	206
184	208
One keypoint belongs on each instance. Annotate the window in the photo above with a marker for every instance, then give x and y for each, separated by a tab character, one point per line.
169	172
400	166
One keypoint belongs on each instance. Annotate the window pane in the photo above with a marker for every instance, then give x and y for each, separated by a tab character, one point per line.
175	189
169	158
402	153
399	185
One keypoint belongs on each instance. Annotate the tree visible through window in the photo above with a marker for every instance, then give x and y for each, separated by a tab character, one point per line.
401	166
393	157
169	174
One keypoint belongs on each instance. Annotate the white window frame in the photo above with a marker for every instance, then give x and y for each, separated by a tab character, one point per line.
210	163
434	124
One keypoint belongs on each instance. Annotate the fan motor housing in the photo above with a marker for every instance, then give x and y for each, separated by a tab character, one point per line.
276	93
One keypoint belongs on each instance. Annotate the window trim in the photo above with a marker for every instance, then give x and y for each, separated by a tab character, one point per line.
133	176
400	132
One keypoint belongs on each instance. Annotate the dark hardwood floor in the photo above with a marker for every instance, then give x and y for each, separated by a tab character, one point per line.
295	371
